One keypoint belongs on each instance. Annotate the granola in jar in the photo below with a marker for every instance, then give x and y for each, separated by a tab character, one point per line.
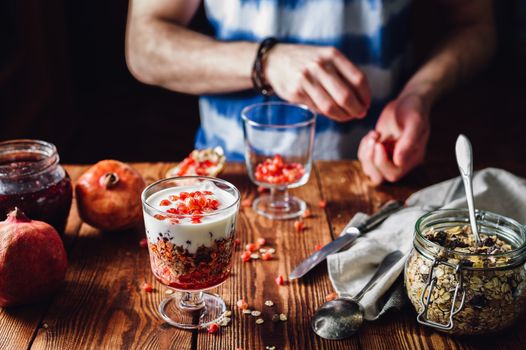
463	288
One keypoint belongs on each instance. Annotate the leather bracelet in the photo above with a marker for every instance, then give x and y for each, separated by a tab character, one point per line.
258	76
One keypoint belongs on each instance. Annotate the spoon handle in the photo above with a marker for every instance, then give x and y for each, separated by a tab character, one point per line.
389	260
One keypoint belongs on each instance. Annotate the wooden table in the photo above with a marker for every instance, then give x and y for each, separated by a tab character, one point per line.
102	305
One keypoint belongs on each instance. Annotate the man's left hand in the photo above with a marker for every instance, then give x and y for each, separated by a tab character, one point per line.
398	143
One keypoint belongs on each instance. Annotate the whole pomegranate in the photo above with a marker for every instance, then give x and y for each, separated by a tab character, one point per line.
33	260
109	196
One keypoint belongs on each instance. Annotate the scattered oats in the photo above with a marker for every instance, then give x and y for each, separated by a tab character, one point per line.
275	318
168	291
282	317
45	325
269	303
247	311
260	321
228	313
255	313
262	250
271	250
254	256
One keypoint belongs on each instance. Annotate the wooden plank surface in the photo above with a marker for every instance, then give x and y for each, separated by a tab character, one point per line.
103	307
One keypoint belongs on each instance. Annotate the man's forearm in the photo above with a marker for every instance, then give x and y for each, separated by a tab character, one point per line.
165	54
458	58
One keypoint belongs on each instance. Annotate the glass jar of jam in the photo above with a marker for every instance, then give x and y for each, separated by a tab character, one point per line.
32	179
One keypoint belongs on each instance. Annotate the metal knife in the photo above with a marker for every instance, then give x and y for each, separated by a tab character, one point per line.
348	235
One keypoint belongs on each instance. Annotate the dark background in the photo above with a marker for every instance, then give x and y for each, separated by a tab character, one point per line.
63	79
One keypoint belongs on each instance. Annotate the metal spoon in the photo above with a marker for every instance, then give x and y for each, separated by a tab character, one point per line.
464	153
342	317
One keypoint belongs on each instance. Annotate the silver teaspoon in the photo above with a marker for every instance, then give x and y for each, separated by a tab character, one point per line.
464	153
340	318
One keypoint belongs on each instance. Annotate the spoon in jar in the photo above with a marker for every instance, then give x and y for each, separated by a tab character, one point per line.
464	153
340	318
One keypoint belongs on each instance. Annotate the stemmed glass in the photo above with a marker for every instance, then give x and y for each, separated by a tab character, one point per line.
279	139
190	223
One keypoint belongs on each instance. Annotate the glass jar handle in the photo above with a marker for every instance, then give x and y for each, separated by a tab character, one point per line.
425	301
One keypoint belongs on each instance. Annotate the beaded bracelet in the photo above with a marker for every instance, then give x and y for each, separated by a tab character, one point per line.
258	76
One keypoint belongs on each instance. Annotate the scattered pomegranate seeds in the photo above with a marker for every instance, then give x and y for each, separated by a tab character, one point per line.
147	287
280	281
276	171
245	203
306	214
165	202
143	243
237	242
266	256
299	225
261	241
318	247
331	296
322	203
159	217
252	247
261	189
245	256
242	304
213	328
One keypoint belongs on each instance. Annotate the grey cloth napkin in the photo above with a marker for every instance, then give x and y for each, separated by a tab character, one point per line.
495	190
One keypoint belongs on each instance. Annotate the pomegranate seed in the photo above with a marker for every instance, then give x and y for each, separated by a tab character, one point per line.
261	242
331	296
299	225
213	328
266	256
252	247
245	257
147	287
318	247
237	241
165	202
242	304
307	214
159	217
322	203
261	189
245	203
280	281
143	243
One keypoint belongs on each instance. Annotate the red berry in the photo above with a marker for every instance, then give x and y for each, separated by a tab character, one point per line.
280	281
143	243
245	257
242	304
322	204
252	247
147	287
299	225
266	256
213	328
318	247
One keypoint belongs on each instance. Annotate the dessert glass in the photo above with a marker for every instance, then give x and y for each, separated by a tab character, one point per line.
461	288
190	223
279	138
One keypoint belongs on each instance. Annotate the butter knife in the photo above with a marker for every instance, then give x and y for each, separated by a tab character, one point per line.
348	235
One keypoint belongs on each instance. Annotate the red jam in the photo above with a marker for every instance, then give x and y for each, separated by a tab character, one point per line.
32	180
277	172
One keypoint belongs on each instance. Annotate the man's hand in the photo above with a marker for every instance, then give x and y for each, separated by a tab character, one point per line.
321	78
399	142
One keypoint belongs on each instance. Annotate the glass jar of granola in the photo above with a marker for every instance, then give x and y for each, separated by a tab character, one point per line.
460	287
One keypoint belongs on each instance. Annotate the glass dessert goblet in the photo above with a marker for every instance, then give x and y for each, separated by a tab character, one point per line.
279	139
190	223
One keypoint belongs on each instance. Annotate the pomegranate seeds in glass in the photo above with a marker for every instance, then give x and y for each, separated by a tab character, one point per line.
279	139
191	241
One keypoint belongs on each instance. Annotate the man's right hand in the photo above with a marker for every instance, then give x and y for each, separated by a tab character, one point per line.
321	78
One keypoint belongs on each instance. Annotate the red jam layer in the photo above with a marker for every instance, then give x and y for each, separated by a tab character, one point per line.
276	172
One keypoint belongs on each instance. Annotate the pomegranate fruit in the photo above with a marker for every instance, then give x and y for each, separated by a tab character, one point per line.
109	196
33	260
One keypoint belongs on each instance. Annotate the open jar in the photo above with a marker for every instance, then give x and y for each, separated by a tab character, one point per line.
459	287
32	179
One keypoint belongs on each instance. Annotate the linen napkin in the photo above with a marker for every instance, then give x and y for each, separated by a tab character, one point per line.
495	190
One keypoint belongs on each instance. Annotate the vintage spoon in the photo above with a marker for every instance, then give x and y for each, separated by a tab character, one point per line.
340	318
464	154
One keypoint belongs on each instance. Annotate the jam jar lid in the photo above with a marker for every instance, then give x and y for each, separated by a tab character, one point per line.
507	229
25	157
